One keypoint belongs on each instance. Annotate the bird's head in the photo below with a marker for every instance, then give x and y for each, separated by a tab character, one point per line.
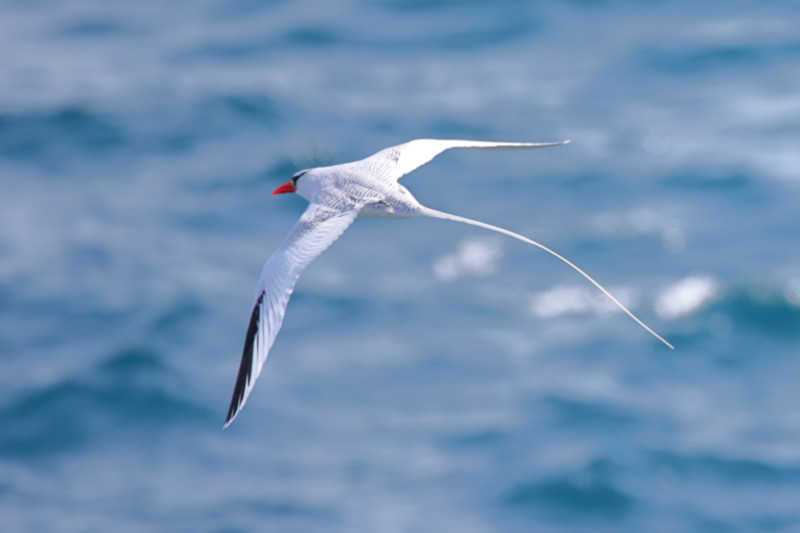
291	185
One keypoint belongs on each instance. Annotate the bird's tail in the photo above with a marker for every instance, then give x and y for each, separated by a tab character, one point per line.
426	211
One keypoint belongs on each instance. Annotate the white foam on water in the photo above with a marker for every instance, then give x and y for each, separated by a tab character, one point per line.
687	296
574	299
475	256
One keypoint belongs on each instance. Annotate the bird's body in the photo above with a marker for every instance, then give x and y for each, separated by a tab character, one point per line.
350	187
337	195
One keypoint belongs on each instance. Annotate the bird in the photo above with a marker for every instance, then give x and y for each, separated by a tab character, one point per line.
337	195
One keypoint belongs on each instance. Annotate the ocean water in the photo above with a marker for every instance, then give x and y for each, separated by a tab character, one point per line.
429	376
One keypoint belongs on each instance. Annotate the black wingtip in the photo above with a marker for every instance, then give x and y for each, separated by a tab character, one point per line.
246	365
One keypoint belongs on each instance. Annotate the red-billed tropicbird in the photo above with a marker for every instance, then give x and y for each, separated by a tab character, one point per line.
337	195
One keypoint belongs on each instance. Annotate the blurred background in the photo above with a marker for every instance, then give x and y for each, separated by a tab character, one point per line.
429	376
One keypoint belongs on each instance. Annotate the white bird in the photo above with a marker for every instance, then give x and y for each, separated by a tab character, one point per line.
337	195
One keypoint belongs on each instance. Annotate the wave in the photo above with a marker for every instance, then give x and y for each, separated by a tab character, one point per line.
712	468
573	497
768	308
36	135
132	391
705	60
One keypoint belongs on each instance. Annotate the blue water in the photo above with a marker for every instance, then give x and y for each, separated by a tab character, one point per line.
429	376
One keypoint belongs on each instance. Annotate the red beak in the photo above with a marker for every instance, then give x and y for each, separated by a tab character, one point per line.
286	187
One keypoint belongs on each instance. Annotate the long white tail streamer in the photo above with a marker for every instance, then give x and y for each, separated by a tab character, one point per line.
447	216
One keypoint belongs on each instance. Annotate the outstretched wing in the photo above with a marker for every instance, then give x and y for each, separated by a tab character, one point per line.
397	161
317	229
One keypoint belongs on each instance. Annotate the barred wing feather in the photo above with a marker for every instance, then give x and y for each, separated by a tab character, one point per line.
317	229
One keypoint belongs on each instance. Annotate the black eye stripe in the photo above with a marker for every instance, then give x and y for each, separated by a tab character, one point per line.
296	176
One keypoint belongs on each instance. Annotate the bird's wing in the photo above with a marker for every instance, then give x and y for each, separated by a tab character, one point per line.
317	229
397	161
